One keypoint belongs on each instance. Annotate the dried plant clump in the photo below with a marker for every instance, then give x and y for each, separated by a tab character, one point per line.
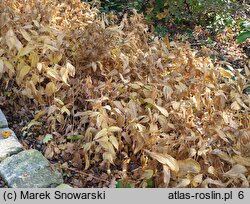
143	108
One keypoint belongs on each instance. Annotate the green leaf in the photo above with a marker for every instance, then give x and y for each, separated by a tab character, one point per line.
47	138
74	137
150	183
119	184
243	36
128	185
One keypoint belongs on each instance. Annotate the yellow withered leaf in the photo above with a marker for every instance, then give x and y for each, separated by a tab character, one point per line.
25	34
23	72
34	59
162	110
8	65
197	180
114	129
167	92
57	58
166	40
101	133
247	71
165	159
188	166
50	89
221	134
114	141
211	170
183	183
107	156
134	86
36	23
64	109
6	134
32	123
39	67
226	73
87	161
26	50
71	69
162	14
223	156
35	79
39	115
235	106
166	175
65	75
240	102
208	181
147	174
245	161
12	41
236	171
53	73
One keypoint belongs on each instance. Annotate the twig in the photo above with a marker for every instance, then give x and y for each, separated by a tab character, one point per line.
80	172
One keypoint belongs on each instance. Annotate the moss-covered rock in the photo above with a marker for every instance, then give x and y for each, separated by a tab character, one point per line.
29	169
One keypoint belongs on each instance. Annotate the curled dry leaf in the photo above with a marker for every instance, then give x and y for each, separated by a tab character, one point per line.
211	170
236	171
114	129
101	133
49	152
183	183
77	161
71	69
12	41
25	34
166	175
165	159
245	161
162	110
188	166
208	181
197	180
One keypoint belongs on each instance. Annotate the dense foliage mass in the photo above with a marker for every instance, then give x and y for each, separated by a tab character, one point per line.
177	11
117	99
171	16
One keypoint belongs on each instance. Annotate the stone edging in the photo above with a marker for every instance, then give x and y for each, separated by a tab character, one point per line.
24	168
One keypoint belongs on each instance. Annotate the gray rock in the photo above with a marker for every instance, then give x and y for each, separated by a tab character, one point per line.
3	121
29	169
10	145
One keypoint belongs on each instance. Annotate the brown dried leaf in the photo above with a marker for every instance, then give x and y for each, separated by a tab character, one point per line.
77	161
